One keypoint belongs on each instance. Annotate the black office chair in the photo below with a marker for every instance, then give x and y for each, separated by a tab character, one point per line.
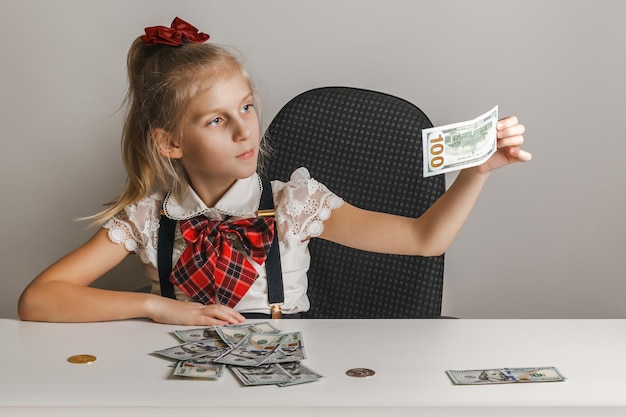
365	146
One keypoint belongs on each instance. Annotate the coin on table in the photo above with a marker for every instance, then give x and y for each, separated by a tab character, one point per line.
82	359
360	372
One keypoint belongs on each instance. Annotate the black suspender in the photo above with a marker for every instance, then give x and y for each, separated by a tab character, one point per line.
165	248
275	291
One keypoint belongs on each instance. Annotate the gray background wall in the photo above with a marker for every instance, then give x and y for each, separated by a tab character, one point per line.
546	239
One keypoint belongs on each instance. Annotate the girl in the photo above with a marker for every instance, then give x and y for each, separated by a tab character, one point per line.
191	143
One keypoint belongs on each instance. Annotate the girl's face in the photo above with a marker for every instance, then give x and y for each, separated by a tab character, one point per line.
220	142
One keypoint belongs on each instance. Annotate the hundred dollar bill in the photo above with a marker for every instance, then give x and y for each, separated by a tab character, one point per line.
505	375
459	145
193	350
199	368
195	335
229	332
299	373
265	327
291	349
253	350
235	333
262	375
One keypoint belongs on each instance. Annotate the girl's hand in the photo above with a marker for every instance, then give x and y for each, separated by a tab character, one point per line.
510	138
168	311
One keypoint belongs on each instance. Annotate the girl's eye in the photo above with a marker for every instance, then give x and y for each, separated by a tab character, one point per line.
214	122
247	108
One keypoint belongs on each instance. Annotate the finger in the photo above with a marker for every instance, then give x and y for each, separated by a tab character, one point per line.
226	314
520	154
209	321
200	318
510	141
507	122
515	153
514	130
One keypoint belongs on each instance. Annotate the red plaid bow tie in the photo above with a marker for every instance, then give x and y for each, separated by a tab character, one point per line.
211	270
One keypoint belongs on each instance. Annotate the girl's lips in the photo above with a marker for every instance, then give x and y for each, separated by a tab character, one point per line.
246	155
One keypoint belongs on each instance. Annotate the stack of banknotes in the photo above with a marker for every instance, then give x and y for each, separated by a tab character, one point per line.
257	353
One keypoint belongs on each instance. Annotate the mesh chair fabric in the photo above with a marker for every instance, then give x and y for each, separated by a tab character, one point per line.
366	147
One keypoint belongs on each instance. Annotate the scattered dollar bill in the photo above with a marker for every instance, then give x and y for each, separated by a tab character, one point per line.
199	368
283	375
299	373
253	350
459	145
291	349
265	327
262	375
195	335
234	333
505	375
193	350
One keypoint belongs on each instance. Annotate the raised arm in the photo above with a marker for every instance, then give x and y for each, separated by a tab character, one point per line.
432	233
61	293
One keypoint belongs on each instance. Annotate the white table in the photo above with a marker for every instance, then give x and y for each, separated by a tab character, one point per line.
409	356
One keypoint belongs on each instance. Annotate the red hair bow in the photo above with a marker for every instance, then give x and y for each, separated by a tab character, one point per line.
175	35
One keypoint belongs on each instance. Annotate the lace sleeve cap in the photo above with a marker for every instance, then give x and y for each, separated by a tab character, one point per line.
303	204
136	227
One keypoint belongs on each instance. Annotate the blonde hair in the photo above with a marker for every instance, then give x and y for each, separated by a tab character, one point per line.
162	81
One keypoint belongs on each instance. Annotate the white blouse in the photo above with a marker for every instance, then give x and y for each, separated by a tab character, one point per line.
302	205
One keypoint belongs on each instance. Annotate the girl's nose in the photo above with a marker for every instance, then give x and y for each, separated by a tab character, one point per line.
241	130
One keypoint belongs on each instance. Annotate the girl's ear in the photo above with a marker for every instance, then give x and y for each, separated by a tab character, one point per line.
166	144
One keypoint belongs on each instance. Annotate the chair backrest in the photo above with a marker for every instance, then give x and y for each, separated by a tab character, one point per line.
366	147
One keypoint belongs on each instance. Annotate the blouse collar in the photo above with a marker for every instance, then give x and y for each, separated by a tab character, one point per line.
241	200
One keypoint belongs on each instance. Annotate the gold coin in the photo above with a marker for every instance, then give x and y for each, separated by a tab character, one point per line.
360	372
82	359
